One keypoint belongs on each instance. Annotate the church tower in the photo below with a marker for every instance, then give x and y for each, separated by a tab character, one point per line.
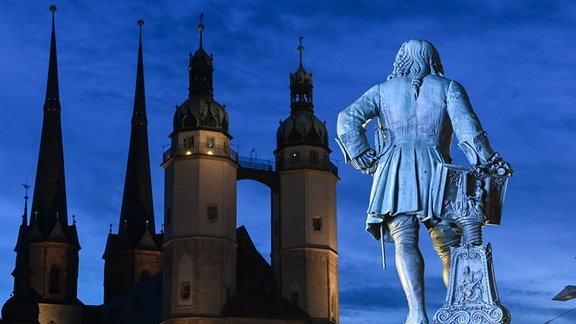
135	253
53	243
200	203
307	248
22	307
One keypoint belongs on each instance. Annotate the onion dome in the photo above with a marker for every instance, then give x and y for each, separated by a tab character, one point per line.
200	110
302	127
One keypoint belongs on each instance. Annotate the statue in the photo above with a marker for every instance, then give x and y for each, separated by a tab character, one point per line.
418	111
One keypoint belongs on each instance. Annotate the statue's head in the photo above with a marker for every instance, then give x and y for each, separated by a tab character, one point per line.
417	58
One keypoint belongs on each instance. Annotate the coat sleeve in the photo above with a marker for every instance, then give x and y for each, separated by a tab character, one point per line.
350	125
472	138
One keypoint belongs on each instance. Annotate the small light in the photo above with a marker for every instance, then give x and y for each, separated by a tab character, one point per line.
188	153
210	153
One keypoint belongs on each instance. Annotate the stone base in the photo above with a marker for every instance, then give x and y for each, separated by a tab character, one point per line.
472	296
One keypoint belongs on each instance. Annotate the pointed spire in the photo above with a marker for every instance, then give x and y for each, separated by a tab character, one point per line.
52	89
201	28
22	270
200	69
139	115
49	200
137	200
301	86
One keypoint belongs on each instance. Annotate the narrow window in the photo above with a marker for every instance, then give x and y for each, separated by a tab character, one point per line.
213	213
210	142
317	222
189	142
54	280
185	290
294	297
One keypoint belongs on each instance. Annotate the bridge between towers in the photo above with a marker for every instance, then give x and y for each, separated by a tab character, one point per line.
260	170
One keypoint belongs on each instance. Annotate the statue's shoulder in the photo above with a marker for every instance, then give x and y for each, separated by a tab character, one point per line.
442	81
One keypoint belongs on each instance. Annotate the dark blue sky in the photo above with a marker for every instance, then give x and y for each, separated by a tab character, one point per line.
516	61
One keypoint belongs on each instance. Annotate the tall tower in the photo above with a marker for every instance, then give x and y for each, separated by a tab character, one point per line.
22	307
200	203
134	254
53	244
307	248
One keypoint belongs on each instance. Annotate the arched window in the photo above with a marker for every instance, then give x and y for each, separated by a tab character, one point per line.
54	280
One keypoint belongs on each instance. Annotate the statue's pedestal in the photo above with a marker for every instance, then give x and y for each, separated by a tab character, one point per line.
472	296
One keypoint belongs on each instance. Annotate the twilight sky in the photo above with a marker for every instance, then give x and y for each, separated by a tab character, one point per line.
516	60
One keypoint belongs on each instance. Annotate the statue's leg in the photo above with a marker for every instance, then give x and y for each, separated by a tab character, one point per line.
410	265
444	236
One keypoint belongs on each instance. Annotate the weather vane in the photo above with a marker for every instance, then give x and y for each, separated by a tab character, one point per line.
26	186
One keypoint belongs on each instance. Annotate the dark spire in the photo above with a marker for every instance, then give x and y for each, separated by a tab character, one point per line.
137	212
52	90
301	87
49	201
22	307
200	69
22	271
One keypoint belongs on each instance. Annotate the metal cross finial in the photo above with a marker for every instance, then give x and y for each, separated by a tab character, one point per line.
201	28
26	186
300	49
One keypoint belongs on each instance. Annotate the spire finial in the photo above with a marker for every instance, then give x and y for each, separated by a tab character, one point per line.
53	9
25	216
26	186
110	230
301	49
201	28
140	24
73	219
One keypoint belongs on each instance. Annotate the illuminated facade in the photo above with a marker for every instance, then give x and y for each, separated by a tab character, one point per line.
201	268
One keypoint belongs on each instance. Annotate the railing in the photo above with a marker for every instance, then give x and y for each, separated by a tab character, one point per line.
300	163
200	148
288	163
259	164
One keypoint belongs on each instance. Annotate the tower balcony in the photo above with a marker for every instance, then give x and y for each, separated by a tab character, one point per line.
202	149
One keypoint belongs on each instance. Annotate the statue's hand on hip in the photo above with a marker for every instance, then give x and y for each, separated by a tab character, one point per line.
366	162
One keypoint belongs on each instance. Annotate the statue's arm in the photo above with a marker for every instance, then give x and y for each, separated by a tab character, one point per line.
350	129
473	140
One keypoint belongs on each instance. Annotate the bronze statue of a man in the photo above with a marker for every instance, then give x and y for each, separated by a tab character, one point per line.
419	110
